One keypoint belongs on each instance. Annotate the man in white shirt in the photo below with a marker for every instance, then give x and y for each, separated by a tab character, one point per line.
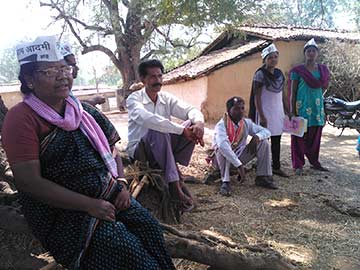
230	147
152	133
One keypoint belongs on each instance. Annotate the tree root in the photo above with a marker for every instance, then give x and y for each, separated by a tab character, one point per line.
344	207
224	258
335	202
200	247
204	247
149	188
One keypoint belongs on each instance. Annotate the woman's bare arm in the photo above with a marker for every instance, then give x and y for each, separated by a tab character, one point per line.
286	103
294	89
258	103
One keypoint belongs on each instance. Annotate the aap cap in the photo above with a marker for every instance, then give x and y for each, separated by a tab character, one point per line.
65	49
43	48
269	49
311	43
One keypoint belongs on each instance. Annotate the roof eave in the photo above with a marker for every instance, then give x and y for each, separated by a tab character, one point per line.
217	66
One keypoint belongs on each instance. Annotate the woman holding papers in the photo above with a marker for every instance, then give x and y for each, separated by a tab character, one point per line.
266	102
307	82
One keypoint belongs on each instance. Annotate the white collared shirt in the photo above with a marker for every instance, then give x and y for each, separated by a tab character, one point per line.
143	115
222	142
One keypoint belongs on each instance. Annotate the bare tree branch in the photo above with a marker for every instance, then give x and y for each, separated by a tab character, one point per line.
122	23
125	3
167	38
147	55
86	26
105	50
149	28
64	16
72	29
322	13
63	29
106	2
42	4
115	20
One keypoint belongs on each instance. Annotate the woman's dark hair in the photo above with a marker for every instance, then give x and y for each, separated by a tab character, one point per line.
311	46
266	57
26	70
142	69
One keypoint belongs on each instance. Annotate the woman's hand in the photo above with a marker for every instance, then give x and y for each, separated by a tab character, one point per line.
122	201
290	115
102	209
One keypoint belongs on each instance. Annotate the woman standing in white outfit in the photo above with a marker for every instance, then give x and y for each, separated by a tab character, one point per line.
266	102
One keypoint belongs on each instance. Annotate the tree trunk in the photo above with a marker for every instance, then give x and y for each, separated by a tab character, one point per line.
222	258
129	56
201	247
129	41
128	76
347	208
214	252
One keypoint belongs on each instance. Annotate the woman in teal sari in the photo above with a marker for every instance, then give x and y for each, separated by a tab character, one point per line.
307	83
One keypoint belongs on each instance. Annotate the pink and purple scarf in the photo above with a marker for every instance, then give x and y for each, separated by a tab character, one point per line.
75	117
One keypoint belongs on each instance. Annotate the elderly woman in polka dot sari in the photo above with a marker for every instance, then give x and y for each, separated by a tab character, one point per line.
71	186
307	82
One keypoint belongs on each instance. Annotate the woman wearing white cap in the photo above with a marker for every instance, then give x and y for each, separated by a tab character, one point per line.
71	187
266	102
307	82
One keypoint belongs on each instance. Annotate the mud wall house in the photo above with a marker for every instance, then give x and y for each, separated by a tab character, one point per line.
226	67
10	94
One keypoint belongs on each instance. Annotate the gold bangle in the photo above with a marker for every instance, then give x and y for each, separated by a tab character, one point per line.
121	179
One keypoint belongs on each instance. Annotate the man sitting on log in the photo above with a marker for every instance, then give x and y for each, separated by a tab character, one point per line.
154	137
230	147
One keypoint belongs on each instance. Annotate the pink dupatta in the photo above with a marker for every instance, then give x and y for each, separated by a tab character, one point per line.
75	117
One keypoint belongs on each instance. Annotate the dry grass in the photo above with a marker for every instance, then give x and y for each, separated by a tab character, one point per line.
293	220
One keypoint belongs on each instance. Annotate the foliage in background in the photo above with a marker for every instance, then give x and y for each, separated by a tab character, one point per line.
9	67
174	31
129	31
110	77
308	13
315	13
352	9
343	60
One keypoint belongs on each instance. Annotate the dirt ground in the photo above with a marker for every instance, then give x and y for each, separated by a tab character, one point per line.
294	220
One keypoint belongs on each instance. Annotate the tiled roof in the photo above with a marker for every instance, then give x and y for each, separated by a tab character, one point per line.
255	38
205	64
302	33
